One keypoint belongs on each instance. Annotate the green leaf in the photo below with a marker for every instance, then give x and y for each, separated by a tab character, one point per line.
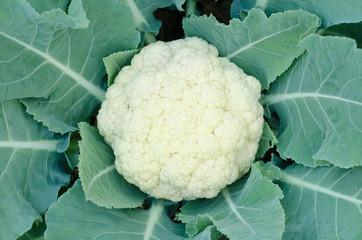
331	12
72	217
322	203
319	104
248	209
31	169
351	30
116	61
56	64
210	233
262	47
101	182
142	11
267	141
35	233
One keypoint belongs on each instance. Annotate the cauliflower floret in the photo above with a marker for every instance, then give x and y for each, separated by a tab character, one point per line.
183	122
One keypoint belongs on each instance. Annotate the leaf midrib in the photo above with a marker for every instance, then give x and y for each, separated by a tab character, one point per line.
36	145
275	98
101	173
287	178
97	92
251	44
155	214
140	19
233	208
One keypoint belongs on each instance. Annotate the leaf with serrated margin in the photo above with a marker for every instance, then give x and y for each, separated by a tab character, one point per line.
142	11
248	209
267	141
72	217
331	12
56	62
319	103
262	47
116	61
31	169
322	202
101	182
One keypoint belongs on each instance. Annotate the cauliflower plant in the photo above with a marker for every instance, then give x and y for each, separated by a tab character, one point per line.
183	122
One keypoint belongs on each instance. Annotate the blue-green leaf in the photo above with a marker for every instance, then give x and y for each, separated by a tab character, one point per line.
248	209
262	47
54	60
331	12
319	103
322	202
72	217
31	169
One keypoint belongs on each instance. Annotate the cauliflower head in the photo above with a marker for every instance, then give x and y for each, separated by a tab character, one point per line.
183	122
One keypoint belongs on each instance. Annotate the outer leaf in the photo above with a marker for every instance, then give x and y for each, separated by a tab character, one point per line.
116	61
47	56
331	12
267	141
244	210
319	104
142	11
322	203
262	47
31	169
72	217
102	184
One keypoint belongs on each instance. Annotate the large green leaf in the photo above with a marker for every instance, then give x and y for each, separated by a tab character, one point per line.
142	11
101	182
72	217
322	203
319	104
263	47
247	209
31	169
55	59
330	11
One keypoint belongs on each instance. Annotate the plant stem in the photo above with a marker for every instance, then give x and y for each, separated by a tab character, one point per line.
149	38
190	7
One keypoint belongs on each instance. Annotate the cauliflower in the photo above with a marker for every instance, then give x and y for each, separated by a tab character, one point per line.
183	122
